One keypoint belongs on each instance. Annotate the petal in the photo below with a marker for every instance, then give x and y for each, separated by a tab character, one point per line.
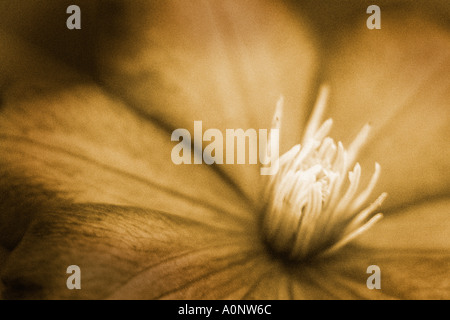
42	23
3	254
397	79
216	272
332	279
411	248
404	274
272	285
132	252
61	131
64	142
425	227
224	63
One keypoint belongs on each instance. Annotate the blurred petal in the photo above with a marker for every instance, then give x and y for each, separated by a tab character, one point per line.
405	274
411	248
224	63
424	226
3	254
64	142
329	16
398	79
61	131
216	272
273	284
147	252
42	23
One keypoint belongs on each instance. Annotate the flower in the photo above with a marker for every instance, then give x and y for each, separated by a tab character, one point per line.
86	176
307	213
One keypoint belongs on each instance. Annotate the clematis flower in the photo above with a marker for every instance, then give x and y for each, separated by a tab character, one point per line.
86	176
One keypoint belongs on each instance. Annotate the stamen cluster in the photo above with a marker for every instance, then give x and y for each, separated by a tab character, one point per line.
311	208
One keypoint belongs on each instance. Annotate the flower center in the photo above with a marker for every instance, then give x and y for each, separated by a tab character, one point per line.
311	209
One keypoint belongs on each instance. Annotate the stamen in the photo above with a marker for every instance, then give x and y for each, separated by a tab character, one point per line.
308	211
356	145
359	201
317	113
345	240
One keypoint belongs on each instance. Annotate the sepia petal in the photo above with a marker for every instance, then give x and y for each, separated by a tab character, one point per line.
124	252
411	249
225	63
397	79
43	24
404	274
422	226
68	146
60	130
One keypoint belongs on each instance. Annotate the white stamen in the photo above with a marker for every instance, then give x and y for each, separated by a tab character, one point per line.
317	113
359	201
356	145
345	240
308	211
